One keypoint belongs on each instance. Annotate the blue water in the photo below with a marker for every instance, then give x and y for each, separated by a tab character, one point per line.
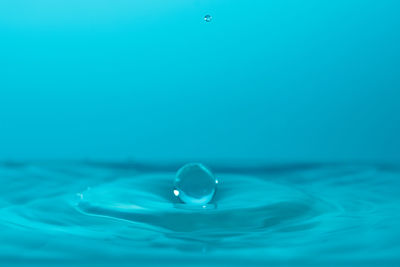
126	213
292	105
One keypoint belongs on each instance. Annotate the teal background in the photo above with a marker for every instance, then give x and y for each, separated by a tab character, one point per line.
150	80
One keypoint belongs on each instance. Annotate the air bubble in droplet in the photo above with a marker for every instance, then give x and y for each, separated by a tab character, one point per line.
195	184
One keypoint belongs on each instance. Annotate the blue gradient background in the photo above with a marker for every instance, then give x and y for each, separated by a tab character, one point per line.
150	80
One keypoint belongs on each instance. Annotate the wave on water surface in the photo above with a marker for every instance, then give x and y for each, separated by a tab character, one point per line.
71	211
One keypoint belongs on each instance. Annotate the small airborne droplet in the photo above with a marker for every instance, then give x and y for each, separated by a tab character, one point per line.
195	184
207	18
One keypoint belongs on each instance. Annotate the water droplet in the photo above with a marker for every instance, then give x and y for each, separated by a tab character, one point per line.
207	18
195	184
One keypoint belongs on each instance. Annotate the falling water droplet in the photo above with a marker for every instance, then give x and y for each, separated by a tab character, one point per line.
207	18
195	184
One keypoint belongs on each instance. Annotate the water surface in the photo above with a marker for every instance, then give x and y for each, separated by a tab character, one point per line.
126	213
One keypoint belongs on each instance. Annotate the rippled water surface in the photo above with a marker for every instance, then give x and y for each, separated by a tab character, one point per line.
127	213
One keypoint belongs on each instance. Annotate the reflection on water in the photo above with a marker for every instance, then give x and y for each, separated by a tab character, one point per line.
128	213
